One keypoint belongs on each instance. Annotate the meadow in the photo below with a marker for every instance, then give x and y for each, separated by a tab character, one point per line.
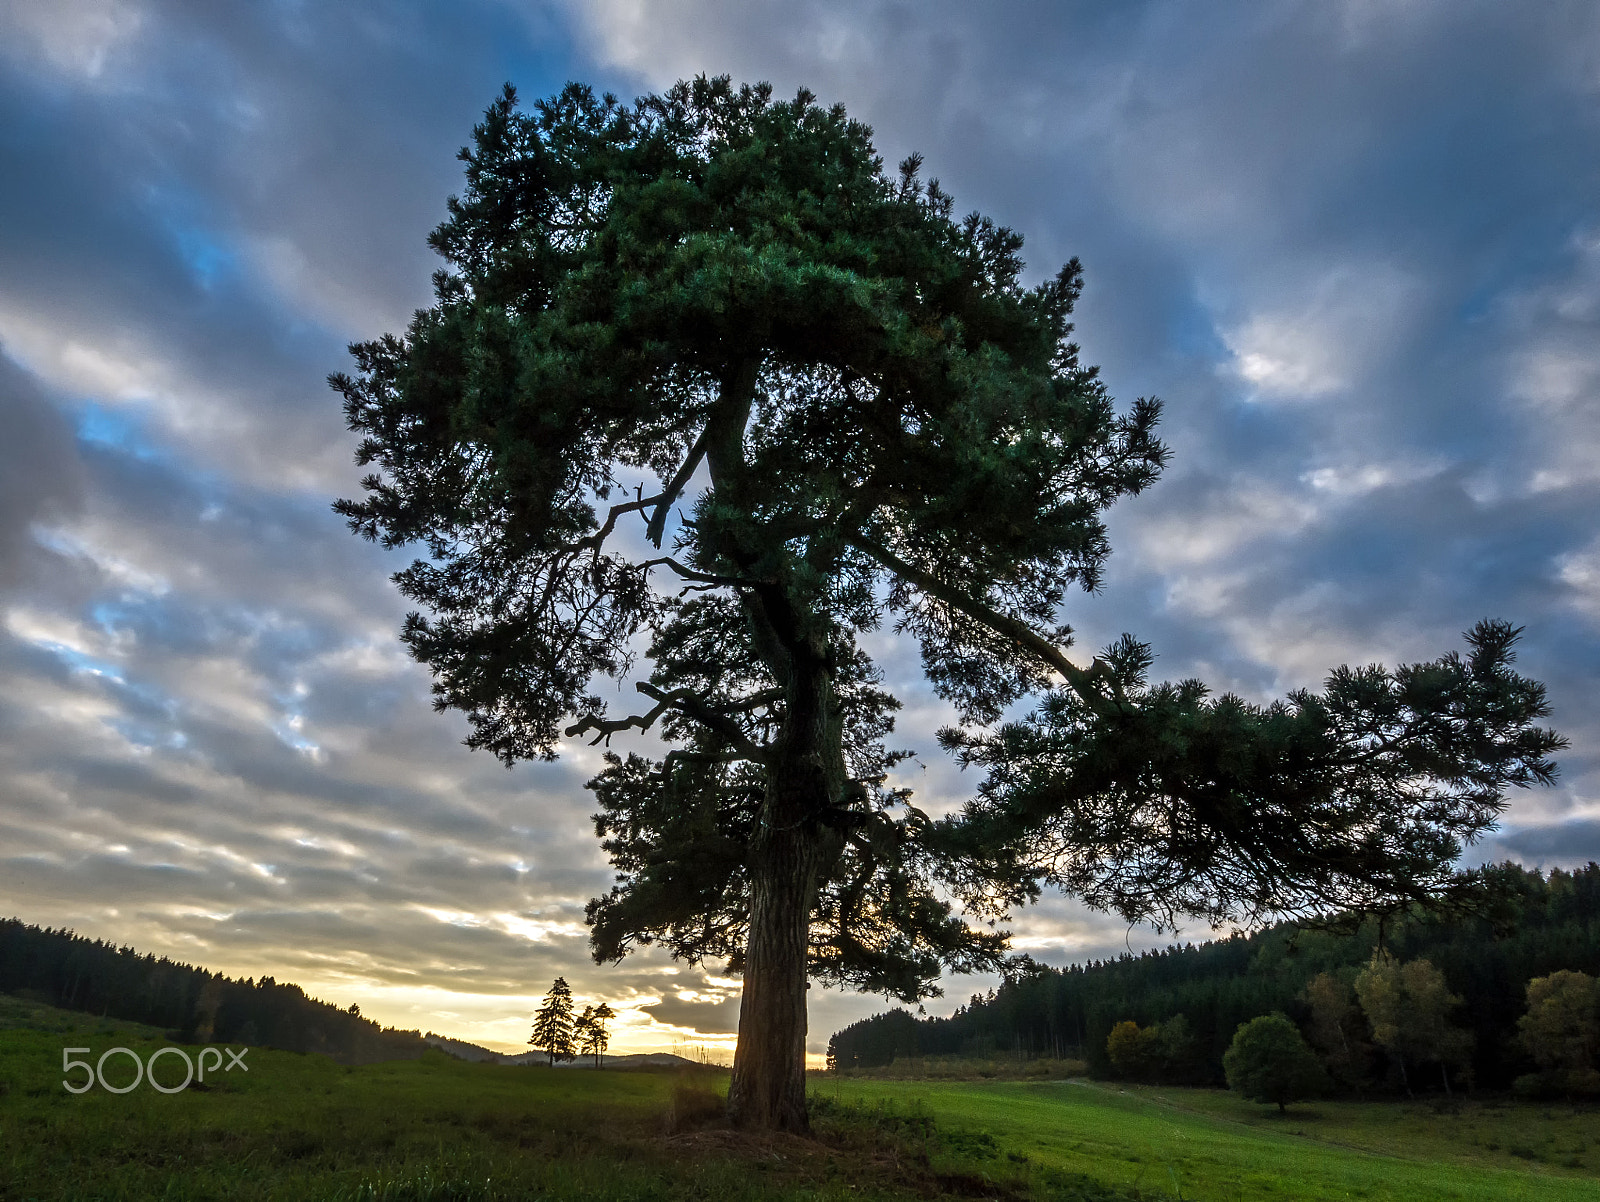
300	1126
1210	1144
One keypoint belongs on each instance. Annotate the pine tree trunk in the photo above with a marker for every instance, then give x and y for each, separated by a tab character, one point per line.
768	1089
790	852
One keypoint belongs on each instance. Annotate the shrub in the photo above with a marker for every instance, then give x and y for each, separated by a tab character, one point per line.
1161	1052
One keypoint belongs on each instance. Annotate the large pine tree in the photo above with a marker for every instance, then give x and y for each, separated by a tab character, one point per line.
703	382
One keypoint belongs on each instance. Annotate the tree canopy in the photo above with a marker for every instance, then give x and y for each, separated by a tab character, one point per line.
706	399
1561	1031
1269	1061
1409	1007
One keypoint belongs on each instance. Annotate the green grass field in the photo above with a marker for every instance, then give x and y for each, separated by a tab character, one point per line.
437	1129
1209	1144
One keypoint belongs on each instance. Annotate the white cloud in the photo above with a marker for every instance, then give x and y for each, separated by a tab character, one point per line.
1341	330
1557	379
215	424
1358	479
44	628
305	281
1217	527
1551	371
82	542
1580	572
672	41
108	364
73	37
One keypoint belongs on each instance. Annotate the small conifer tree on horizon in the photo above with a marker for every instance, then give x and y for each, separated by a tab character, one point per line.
590	1031
552	1024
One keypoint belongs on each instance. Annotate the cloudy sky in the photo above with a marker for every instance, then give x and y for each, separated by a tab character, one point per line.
1353	244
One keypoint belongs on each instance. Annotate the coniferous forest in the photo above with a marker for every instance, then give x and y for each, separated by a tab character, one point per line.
1196	996
75	973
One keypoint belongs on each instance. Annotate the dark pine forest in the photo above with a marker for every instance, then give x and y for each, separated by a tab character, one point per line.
1550	922
194	1006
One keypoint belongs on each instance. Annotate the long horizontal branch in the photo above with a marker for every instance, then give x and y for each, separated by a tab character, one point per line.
610	726
686	702
692	574
1081	680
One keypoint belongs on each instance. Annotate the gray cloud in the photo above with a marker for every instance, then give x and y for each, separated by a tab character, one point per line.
40	477
709	1018
1559	845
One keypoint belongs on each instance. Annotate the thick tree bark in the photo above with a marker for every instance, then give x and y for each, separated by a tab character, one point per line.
768	1089
790	853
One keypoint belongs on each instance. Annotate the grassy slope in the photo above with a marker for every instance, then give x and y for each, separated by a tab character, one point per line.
1212	1145
304	1127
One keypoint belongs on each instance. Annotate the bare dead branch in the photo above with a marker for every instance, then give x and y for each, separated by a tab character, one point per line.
718	722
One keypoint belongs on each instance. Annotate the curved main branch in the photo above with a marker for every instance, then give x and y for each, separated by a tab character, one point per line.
596	540
1082	681
691	574
610	726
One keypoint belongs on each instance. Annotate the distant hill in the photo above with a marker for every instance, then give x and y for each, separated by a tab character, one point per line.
25	1014
636	1060
460	1048
58	968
